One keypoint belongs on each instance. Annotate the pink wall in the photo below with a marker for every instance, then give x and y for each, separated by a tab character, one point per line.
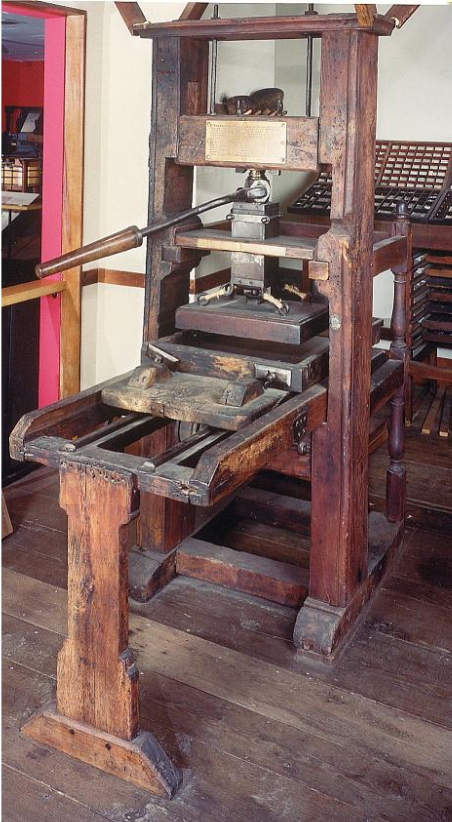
52	201
52	193
22	84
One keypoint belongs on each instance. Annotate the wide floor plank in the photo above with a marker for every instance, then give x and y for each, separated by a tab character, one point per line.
29	799
209	731
271	692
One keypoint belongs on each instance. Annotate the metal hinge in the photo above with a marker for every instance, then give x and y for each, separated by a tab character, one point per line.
272	375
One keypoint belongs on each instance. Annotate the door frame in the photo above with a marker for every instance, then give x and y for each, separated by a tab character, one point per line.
61	324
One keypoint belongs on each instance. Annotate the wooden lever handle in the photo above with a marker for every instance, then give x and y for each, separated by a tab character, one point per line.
121	241
132	237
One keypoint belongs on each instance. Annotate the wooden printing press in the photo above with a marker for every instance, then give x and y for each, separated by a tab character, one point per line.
419	175
248	368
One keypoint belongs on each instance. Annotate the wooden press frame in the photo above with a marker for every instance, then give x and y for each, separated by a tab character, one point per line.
96	714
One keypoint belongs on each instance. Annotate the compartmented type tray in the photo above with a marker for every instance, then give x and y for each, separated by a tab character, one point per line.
418	174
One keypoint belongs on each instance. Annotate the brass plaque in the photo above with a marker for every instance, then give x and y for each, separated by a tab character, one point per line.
245	142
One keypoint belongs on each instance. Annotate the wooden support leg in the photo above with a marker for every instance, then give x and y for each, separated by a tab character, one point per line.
96	714
163	523
395	476
339	532
7	527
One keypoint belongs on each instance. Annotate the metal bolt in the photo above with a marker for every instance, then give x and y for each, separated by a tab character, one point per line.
335	322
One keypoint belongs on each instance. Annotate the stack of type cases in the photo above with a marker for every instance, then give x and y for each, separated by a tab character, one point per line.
437	322
419	175
418	303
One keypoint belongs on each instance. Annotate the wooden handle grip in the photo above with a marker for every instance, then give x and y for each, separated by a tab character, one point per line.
124	240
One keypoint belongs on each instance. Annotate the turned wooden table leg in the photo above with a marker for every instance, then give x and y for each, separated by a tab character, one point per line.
96	715
395	476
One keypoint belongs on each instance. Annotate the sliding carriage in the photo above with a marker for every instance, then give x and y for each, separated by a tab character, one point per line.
243	380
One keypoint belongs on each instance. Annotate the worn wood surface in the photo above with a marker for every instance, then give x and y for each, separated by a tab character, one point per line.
96	715
241	571
131	13
163	523
7	527
209	239
74	114
193	11
230	464
14	294
340	446
301	146
401	13
237	318
320	627
97	680
139	760
374	710
179	88
366	14
262	28
191	398
227	358
68	417
366	738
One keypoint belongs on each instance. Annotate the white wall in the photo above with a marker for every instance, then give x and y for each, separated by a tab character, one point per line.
415	84
117	125
118	98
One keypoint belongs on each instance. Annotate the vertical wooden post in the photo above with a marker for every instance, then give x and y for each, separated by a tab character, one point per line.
163	523
97	680
179	77
340	448
339	536
396	476
179	86
72	228
96	716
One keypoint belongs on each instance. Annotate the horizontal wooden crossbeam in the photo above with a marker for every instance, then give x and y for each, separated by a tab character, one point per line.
24	292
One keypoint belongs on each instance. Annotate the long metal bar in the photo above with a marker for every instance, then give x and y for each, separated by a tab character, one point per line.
213	66
309	61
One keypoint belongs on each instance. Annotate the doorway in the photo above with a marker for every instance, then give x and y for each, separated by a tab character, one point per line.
48	123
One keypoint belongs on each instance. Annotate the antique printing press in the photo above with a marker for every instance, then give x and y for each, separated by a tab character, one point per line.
247	367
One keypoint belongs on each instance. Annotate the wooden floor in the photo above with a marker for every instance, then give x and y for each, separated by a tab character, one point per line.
262	734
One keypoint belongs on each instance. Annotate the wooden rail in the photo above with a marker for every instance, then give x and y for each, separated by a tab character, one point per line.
14	294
